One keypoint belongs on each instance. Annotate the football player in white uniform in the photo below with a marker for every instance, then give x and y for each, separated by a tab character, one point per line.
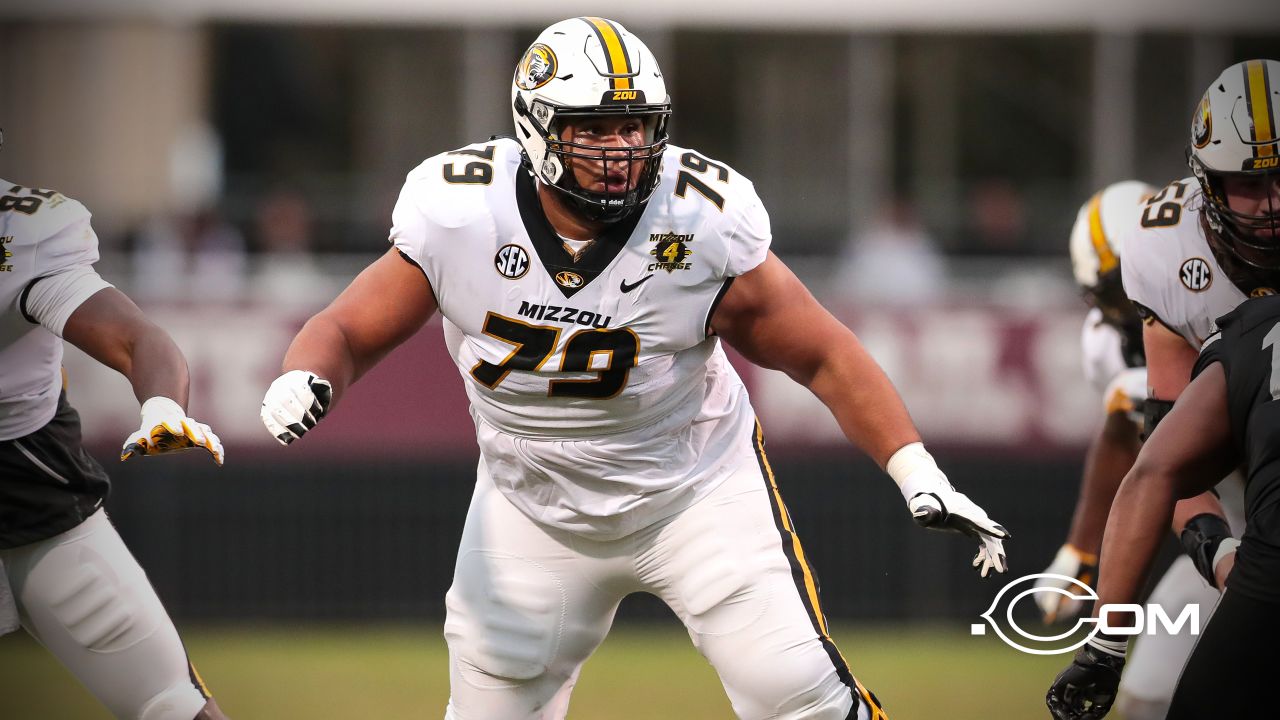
1203	245
587	272
1115	365
1111	345
75	586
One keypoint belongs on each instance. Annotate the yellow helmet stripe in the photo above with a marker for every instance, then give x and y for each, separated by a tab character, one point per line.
1107	260
1258	99
615	53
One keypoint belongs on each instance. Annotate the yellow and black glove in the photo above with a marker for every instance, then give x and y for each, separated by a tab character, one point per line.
166	428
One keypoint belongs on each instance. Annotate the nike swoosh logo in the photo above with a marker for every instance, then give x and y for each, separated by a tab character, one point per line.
628	288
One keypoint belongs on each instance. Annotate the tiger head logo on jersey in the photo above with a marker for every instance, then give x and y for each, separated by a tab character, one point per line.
671	250
568	279
537	68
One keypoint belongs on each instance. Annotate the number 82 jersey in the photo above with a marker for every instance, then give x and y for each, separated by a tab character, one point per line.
601	401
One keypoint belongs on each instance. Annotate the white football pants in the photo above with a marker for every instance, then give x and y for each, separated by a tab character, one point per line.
1156	661
530	603
82	595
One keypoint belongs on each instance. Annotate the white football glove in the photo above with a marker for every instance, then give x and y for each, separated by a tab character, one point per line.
294	403
1071	562
935	504
166	428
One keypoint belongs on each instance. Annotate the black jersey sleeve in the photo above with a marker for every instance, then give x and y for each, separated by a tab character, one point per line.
1248	346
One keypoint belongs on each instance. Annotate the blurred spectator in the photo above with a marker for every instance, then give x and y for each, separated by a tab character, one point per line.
194	255
894	260
287	272
998	223
190	251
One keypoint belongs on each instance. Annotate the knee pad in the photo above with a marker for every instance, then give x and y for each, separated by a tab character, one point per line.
718	584
179	702
93	590
96	610
505	618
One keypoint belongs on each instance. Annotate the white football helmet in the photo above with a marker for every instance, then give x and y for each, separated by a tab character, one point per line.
581	67
1234	132
1097	240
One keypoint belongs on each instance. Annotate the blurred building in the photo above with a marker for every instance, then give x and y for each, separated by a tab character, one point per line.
830	112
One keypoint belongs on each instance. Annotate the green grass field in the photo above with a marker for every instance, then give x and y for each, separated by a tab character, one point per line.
642	671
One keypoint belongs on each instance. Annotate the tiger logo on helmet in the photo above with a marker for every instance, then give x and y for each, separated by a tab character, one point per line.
1202	124
1097	244
537	68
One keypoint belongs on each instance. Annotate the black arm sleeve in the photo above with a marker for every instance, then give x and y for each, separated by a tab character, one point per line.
1201	538
1153	411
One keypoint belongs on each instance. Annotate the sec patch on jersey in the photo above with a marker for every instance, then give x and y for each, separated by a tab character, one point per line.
512	262
1195	274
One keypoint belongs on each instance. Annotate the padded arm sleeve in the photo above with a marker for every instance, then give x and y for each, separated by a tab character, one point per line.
50	300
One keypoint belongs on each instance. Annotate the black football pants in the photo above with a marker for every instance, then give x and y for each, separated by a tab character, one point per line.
1231	674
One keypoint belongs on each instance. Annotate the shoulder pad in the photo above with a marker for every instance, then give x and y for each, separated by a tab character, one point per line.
34	215
444	186
727	202
688	172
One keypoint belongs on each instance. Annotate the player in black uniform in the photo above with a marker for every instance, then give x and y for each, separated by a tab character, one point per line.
1228	416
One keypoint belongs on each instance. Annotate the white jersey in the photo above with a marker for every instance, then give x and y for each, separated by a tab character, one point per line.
1123	388
45	237
1169	270
601	404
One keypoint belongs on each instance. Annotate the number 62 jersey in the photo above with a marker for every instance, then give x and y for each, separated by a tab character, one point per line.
602	404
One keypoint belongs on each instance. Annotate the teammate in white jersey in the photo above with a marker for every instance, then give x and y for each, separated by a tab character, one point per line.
74	585
1202	246
587	271
1115	365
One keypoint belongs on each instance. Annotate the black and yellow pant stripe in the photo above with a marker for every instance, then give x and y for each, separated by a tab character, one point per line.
198	681
806	581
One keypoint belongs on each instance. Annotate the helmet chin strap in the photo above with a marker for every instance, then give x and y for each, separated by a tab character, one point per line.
599	211
1245	275
594	206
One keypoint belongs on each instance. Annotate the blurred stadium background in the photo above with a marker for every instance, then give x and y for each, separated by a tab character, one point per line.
922	162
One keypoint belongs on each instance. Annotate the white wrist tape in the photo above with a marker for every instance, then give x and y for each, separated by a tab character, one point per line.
161	405
1228	545
1115	648
915	471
